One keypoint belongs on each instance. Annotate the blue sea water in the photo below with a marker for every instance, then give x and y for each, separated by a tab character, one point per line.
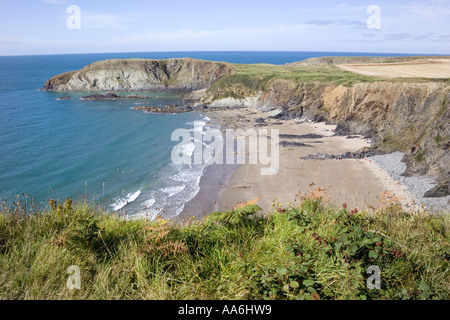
53	148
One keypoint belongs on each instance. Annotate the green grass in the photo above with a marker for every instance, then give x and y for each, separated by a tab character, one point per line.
326	73
439	139
307	251
420	156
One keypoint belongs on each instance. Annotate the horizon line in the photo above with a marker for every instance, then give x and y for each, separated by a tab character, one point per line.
243	51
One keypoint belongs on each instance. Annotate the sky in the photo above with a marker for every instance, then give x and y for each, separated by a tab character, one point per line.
29	27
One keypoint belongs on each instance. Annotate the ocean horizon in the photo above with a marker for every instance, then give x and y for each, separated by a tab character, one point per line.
58	149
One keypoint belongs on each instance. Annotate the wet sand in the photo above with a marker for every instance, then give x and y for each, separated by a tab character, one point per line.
357	182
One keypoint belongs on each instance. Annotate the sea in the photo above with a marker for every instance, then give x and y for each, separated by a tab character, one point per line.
102	151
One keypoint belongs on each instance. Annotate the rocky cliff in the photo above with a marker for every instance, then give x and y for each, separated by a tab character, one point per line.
409	117
141	75
399	116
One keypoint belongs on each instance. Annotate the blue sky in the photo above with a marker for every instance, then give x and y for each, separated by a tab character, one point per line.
39	26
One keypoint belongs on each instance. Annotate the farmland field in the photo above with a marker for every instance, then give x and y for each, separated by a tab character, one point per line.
427	68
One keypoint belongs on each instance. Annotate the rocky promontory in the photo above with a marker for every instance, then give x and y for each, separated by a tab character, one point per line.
141	75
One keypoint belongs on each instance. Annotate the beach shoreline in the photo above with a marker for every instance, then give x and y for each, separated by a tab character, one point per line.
359	183
213	180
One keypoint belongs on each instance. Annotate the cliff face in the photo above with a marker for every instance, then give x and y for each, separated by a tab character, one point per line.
409	117
141	75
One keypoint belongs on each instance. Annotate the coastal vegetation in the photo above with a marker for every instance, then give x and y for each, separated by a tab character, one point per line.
307	250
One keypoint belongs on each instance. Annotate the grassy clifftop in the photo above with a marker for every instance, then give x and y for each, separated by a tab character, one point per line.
256	77
306	251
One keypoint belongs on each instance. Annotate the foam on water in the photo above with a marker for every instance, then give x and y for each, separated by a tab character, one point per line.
188	149
149	214
120	203
177	184
149	203
171	191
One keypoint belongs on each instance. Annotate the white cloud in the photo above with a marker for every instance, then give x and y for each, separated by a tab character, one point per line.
56	2
91	20
10	43
432	13
191	34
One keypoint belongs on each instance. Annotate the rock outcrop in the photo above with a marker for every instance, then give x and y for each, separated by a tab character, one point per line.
167	109
141	75
113	96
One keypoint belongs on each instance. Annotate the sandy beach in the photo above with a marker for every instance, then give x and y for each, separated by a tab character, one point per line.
360	183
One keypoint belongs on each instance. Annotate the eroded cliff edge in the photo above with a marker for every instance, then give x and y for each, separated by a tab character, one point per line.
141	75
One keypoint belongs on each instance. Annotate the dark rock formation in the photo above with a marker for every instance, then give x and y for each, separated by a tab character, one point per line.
303	136
293	144
365	153
441	190
166	109
113	96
